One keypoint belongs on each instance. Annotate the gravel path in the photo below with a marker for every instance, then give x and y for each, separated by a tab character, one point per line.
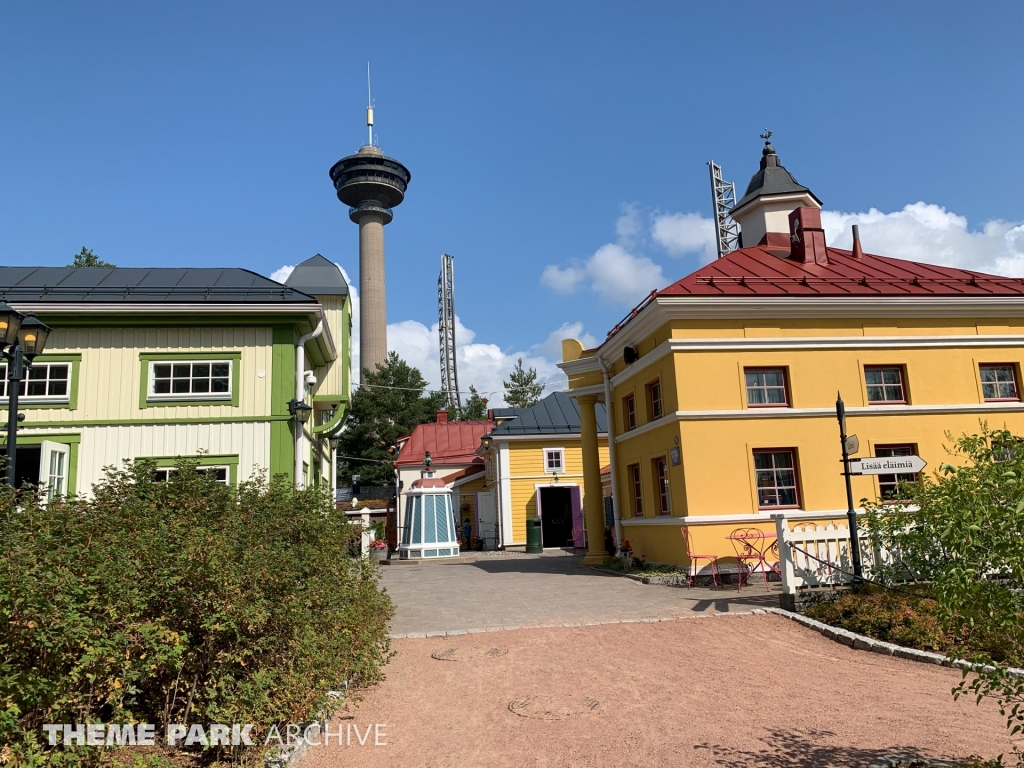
744	690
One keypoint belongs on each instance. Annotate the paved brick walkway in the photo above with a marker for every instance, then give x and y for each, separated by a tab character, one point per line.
529	591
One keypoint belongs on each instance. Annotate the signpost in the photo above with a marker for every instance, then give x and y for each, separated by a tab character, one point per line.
851	517
887	465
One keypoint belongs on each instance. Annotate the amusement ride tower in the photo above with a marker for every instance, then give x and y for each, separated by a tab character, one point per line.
371	185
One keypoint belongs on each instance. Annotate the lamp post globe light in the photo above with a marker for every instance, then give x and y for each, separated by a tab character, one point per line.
22	337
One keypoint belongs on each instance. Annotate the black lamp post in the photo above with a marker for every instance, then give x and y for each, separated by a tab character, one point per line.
26	335
851	516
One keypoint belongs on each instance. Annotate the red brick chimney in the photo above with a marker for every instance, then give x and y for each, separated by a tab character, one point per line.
806	236
442	416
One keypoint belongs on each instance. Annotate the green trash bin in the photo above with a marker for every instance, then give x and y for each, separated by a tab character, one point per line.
533	545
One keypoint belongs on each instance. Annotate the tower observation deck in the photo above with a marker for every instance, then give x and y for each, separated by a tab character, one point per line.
371	185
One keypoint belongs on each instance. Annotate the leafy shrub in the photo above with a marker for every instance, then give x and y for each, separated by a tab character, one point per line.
178	602
963	531
894	617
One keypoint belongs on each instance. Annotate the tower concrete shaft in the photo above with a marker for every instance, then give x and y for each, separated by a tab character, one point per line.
373	318
371	185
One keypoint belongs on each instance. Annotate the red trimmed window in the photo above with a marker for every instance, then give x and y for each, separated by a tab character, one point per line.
999	382
629	412
887	483
885	385
776	478
661	486
638	489
766	387
654	399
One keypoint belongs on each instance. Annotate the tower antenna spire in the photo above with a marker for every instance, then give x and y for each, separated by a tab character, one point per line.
369	107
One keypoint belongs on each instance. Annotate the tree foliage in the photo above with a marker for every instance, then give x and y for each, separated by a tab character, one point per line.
963	530
391	405
176	602
475	407
522	389
86	258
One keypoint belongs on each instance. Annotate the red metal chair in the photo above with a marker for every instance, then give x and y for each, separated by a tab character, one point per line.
693	570
578	540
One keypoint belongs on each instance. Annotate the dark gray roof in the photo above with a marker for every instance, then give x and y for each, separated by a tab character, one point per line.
556	414
319	277
771	179
141	285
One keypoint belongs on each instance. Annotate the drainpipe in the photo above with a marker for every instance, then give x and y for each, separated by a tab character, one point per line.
300	396
611	451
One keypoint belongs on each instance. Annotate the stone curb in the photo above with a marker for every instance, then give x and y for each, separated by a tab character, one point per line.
555	624
865	643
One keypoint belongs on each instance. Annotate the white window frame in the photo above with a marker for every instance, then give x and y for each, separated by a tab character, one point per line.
54	467
155	397
28	399
560	451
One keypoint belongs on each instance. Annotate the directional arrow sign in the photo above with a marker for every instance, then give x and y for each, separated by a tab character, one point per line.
887	465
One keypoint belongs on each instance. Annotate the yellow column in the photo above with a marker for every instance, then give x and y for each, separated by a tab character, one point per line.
593	504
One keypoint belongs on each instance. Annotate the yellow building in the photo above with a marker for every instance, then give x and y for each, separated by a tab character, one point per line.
723	385
534	468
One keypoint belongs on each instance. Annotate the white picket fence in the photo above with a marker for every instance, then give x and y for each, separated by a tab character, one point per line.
816	555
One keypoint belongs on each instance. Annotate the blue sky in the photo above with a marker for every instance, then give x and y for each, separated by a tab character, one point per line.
554	147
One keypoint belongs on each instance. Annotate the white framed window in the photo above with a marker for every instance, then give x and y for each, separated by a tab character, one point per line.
44	382
187	380
53	468
554	460
164	474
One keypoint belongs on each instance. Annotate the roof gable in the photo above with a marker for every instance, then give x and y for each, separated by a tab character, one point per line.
556	414
318	276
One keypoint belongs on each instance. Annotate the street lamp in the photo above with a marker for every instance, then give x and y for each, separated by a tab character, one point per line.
485	441
299	411
27	336
333	442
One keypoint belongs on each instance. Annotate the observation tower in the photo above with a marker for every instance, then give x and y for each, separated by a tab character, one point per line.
371	185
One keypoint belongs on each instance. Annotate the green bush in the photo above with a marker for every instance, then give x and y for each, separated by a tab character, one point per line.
963	531
895	617
180	602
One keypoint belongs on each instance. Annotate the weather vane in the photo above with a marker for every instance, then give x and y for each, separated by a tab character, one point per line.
766	135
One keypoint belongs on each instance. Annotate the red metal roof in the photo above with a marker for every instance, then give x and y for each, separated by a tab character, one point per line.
766	271
453	442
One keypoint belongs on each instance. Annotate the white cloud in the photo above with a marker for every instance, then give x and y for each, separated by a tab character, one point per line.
683	233
562	280
929	233
282	274
483	365
616	274
551	347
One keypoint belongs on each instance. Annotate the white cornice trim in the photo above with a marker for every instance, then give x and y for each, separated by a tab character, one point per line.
593	389
666	308
546	436
580	366
812	413
736	343
650	358
764	516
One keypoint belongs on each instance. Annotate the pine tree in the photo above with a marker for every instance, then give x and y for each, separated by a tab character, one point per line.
475	408
391	405
522	389
86	258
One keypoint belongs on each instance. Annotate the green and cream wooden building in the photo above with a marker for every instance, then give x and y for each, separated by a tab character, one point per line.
168	362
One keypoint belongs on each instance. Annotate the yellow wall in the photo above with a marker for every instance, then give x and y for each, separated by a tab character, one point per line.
706	411
526	467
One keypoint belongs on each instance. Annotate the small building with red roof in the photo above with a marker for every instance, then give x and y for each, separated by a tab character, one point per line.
722	387
451	447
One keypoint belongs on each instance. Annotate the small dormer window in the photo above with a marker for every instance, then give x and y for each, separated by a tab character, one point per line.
554	460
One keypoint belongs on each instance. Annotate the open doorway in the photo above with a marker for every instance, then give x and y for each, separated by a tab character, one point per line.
27	470
555	516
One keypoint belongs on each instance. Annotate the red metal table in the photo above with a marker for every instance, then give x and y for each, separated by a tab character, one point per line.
754	544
